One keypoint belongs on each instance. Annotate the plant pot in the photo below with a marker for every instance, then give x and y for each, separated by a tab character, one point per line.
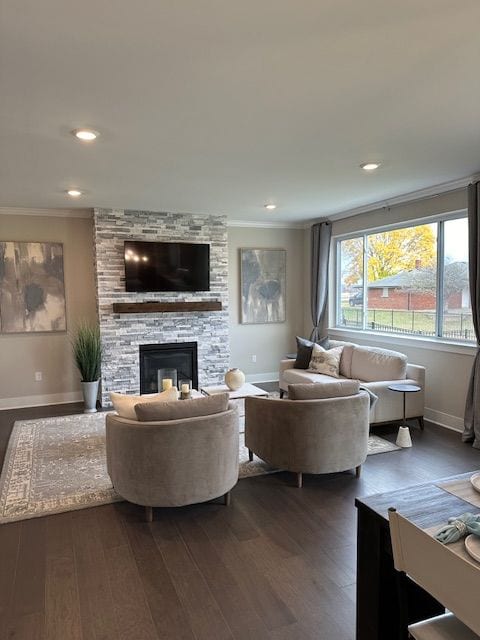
234	379
90	395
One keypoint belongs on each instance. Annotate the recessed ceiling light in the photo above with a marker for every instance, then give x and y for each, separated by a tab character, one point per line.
74	193
86	135
270	207
370	166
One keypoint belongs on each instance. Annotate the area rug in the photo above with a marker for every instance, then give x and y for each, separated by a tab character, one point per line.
58	464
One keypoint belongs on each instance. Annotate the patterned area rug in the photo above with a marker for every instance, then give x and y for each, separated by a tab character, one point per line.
58	464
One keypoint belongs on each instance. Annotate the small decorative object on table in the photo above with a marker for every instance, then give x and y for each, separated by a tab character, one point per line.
167	378
234	379
185	386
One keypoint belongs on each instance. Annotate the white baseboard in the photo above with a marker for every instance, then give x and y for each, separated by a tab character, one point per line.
444	419
40	400
272	376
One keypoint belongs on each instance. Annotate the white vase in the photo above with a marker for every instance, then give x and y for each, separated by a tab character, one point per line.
234	379
90	395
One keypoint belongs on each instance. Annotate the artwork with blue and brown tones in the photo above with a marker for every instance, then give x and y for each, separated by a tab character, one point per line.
263	276
32	289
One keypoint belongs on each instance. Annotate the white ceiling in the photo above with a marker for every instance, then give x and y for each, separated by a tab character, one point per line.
220	106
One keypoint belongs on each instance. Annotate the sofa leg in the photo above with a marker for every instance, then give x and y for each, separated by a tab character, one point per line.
148	514
358	470
250	455
282	393
299	480
227	499
421	424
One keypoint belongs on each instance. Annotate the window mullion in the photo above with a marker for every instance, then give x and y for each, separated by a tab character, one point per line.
365	281
439	279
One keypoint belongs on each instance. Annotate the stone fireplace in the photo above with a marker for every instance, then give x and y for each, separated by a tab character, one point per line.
123	333
180	356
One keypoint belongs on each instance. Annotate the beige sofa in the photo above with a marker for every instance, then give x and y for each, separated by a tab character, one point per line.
376	369
175	462
309	436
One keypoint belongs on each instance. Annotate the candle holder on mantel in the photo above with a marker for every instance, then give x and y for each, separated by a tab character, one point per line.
167	378
185	388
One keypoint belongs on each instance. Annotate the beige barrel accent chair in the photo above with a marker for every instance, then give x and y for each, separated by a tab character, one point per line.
173	463
309	436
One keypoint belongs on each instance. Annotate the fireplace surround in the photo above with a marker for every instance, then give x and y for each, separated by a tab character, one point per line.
181	356
123	330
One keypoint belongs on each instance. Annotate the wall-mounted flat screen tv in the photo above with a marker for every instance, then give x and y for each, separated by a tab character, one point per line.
166	266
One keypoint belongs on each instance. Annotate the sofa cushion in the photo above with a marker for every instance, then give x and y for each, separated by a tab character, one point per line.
326	362
373	364
346	359
163	411
124	404
304	351
302	376
334	389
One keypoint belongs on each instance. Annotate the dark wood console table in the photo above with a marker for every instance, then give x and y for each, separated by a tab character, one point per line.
379	589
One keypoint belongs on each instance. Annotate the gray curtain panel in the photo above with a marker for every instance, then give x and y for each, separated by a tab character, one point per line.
471	432
321	235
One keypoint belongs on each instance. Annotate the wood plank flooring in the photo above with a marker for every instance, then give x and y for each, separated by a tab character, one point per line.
278	564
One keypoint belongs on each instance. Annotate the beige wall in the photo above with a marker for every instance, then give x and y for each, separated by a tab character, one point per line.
21	355
448	371
268	342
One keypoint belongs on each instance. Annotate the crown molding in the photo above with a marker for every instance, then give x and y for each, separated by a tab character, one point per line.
412	196
54	213
265	225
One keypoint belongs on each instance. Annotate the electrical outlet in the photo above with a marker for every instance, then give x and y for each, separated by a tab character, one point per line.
38	376
254	358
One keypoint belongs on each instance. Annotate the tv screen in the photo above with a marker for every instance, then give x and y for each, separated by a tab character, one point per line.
167	266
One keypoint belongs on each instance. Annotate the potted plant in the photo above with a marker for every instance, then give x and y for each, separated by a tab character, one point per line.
87	350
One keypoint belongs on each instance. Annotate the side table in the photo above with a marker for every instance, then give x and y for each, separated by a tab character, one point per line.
403	437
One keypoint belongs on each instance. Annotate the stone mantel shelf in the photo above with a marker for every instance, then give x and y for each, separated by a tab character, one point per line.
166	307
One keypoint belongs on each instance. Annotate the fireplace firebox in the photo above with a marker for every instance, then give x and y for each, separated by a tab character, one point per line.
181	356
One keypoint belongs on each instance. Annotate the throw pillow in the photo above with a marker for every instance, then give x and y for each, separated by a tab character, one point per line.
124	404
326	362
163	411
304	351
324	390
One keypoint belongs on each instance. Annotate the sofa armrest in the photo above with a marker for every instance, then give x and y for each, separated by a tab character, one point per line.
416	372
286	364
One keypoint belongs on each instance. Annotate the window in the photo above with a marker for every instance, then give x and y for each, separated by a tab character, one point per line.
415	283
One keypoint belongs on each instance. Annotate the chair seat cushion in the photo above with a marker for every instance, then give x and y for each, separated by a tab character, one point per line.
164	411
124	404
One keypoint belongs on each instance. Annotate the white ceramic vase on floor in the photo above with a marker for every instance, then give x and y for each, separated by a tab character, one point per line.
234	379
90	395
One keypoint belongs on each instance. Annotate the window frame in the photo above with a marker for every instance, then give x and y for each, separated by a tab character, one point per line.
438	219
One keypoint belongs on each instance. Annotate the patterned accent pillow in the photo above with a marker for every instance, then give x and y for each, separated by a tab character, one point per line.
326	362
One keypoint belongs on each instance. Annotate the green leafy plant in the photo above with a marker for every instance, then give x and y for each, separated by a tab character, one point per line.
87	350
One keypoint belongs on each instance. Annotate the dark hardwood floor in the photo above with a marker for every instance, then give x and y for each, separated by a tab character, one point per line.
278	564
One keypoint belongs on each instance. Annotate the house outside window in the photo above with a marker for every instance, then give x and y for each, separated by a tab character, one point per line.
416	281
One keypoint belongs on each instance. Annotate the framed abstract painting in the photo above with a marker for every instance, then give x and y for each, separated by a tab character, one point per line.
32	288
263	284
